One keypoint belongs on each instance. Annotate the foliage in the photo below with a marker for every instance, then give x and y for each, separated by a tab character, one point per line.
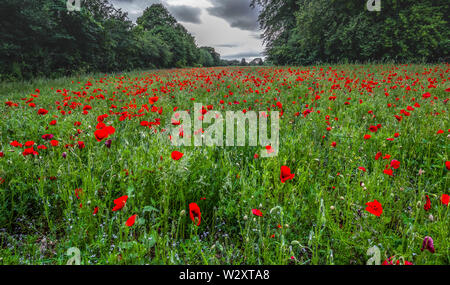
310	31
42	38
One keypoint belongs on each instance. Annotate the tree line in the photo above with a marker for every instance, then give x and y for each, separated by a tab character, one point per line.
43	38
305	32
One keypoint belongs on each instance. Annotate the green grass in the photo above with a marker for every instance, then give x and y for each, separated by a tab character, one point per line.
322	214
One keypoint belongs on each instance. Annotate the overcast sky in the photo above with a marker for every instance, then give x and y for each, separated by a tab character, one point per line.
230	26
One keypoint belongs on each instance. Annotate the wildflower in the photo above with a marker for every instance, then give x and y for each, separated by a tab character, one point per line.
395	164
81	145
375	208
378	155
427	205
445	198
42	112
176	155
428	244
286	174
130	221
194	212
120	203
257	212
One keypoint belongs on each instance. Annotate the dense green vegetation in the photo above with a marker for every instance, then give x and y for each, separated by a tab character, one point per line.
42	38
310	31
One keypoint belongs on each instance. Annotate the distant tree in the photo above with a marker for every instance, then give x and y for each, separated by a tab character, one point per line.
156	16
256	61
206	58
215	55
243	62
157	20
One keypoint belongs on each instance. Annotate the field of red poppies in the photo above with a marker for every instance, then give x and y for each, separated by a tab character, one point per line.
88	173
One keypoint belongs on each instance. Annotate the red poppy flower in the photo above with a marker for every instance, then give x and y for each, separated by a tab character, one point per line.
42	112
286	174
373	129
29	151
87	107
378	155
194	212
153	100
47	136
54	142
374	208
120	203
362	168
333	144
426	95
81	145
101	134
95	211
16	144
366	137
257	212
100	126
130	221
110	129
388	172
445	198
395	164
427	205
176	155
447	165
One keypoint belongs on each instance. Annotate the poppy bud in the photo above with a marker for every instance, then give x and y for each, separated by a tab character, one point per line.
428	244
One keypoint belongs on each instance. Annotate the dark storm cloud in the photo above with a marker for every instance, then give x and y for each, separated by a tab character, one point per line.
186	14
236	12
182	13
